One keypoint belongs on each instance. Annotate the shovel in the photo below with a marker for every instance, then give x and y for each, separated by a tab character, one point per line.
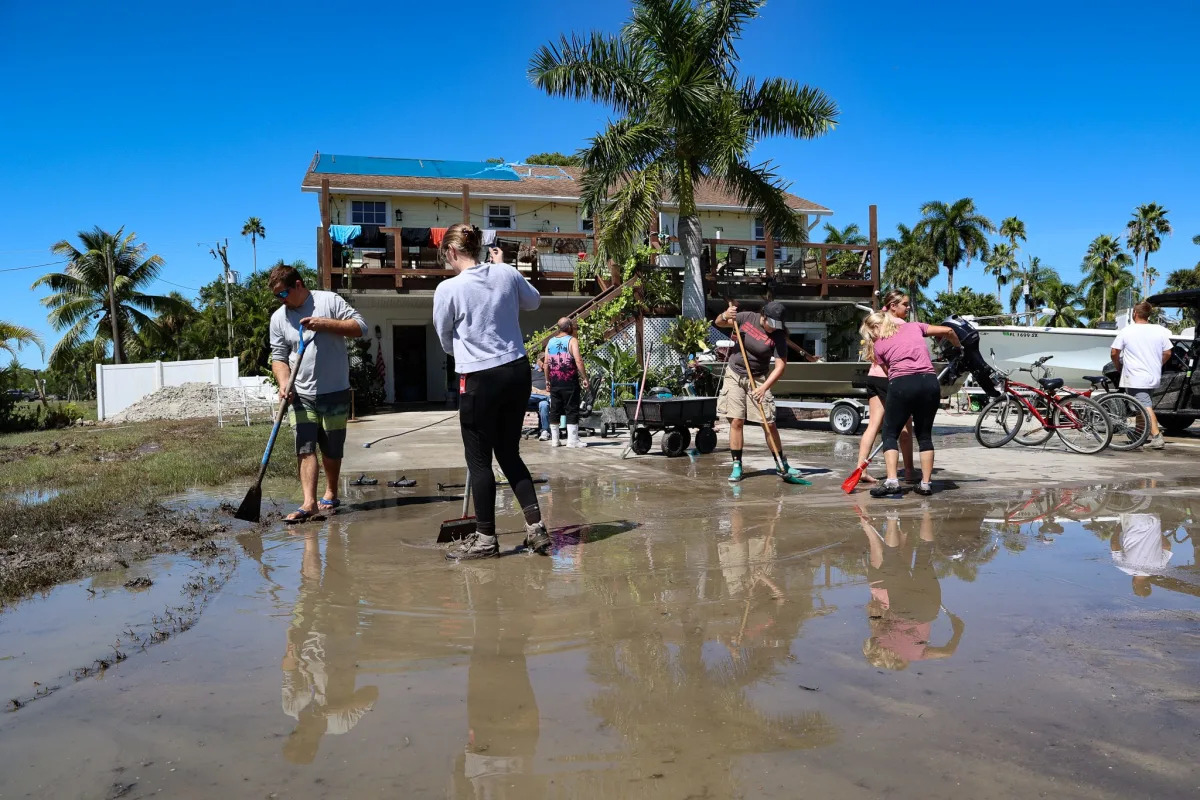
462	527
251	508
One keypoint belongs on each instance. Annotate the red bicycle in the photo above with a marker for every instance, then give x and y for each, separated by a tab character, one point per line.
1078	421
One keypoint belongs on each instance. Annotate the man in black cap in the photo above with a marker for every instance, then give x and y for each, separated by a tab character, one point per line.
765	337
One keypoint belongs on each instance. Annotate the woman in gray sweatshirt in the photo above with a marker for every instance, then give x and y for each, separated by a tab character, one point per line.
476	317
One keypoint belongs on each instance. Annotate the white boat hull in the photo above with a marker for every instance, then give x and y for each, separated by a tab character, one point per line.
1076	351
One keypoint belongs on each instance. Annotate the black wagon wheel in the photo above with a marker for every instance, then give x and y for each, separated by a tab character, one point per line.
640	440
675	441
706	440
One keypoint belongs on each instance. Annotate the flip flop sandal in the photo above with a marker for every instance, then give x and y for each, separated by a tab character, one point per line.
402	483
301	516
328	505
363	480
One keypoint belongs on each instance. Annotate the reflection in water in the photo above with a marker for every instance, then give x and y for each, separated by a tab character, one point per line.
905	596
319	670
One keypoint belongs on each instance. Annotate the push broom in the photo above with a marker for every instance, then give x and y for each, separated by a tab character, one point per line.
856	476
762	415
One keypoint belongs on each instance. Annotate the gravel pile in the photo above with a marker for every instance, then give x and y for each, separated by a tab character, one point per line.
192	400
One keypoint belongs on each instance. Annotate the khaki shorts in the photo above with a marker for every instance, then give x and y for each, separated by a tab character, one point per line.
734	401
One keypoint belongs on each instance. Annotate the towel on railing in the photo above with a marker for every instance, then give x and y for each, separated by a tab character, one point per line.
414	237
436	235
344	233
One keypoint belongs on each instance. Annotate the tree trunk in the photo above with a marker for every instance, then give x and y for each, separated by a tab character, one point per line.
949	278
112	310
693	281
254	247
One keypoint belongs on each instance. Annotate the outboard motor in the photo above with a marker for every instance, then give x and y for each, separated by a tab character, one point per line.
969	359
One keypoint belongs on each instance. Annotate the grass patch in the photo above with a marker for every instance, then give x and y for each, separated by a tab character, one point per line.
109	483
98	469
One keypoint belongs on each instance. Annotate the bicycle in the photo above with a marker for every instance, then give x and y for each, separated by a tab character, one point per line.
1080	422
1130	421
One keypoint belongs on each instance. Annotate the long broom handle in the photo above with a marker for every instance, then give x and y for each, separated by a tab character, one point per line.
762	413
262	468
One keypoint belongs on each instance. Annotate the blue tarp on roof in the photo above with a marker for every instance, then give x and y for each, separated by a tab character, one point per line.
413	168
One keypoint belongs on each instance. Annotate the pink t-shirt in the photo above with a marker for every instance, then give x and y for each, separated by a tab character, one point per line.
904	352
876	371
906	638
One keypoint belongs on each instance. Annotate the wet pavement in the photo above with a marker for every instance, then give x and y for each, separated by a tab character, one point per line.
686	638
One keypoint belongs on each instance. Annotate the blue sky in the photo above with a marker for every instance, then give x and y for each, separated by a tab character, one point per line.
180	121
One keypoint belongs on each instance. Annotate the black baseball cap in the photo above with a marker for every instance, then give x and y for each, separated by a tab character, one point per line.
774	310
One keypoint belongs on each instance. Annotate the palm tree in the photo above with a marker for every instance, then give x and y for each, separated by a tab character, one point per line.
1030	285
955	232
13	337
910	265
1002	264
1064	298
255	230
843	260
103	281
1013	229
685	114
1103	265
1144	235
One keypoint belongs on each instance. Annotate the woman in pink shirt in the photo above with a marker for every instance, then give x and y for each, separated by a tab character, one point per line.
913	391
877	386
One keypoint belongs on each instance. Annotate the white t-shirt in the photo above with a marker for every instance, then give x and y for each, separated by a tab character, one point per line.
1142	551
1142	346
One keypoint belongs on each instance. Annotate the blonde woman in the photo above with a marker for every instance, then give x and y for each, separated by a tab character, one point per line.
913	390
877	386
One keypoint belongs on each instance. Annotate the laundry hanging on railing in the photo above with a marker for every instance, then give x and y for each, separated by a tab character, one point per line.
344	233
489	236
414	237
436	234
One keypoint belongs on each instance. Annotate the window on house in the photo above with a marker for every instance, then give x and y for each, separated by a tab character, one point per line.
499	217
760	233
368	212
587	225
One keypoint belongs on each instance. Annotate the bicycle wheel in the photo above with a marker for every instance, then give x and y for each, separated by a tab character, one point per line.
999	421
1129	420
1089	432
1032	433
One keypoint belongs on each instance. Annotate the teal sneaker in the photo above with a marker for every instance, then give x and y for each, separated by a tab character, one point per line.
792	472
736	474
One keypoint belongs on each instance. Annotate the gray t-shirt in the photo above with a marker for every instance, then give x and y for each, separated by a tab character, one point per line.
326	365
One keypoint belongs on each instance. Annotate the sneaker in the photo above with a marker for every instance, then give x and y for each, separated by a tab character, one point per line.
536	538
736	474
477	545
576	443
544	437
924	489
889	488
1157	442
792	472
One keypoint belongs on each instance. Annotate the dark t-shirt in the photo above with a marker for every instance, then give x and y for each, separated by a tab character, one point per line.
539	379
760	345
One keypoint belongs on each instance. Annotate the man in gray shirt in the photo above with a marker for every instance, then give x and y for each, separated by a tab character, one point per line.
320	402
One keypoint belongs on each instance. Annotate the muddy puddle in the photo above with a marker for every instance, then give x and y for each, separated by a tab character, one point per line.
685	639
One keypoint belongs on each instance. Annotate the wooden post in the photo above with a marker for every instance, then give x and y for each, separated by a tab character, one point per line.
823	266
466	204
654	229
324	242
876	268
399	265
770	254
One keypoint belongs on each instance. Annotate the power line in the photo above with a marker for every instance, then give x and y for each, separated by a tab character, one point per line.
180	285
33	266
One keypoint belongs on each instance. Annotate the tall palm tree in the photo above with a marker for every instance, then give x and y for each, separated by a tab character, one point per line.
955	232
1001	263
684	114
1013	229
910	265
13	337
103	281
1064	298
255	230
1102	266
1144	235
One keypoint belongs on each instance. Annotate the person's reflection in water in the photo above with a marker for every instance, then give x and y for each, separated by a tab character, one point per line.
319	670
905	597
502	713
1141	550
747	563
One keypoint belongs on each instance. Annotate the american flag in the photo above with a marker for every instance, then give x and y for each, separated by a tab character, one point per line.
380	369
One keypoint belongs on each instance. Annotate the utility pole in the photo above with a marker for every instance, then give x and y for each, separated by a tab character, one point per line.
112	301
220	252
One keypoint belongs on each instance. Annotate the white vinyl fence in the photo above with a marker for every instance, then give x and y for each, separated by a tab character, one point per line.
119	386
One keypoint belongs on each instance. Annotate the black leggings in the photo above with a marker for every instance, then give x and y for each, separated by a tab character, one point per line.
491	411
564	399
916	396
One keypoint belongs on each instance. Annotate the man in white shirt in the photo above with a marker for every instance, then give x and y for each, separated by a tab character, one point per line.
1140	351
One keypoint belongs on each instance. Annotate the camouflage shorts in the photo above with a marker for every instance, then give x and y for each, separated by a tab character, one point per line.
321	422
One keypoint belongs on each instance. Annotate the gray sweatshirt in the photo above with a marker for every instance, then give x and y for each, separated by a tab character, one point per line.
326	365
475	314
